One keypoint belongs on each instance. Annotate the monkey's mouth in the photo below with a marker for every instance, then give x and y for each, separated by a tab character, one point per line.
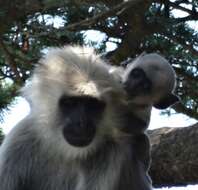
79	136
81	115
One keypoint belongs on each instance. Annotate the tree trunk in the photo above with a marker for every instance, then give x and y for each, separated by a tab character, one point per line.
174	156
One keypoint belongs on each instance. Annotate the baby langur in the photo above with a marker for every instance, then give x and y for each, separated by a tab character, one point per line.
72	139
149	81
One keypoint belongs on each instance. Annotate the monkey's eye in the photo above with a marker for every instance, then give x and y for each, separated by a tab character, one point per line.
93	105
137	73
66	103
89	104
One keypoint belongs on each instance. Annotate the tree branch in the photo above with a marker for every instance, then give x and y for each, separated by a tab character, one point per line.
174	156
188	47
115	11
187	18
10	61
16	10
182	72
176	6
180	108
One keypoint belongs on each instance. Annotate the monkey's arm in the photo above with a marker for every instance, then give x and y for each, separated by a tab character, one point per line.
134	174
141	162
10	172
140	144
16	159
141	147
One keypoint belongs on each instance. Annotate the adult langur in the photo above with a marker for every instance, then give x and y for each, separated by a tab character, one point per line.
73	138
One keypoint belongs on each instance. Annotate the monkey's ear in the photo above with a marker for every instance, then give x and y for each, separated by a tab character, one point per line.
167	101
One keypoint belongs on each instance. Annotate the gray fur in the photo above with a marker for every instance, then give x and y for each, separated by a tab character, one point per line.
159	72
35	155
162	78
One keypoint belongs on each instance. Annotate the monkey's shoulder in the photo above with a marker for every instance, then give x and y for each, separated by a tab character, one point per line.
20	142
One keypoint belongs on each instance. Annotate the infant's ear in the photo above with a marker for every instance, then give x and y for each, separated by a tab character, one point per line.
167	101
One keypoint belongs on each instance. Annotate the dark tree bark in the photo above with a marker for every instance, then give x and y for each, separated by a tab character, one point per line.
174	156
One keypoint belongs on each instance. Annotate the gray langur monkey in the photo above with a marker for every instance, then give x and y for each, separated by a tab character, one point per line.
149	81
72	139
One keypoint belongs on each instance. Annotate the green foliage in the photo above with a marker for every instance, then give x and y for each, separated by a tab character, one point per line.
7	94
1	136
145	26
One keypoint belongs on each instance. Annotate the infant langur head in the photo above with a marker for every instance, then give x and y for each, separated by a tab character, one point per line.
69	95
151	80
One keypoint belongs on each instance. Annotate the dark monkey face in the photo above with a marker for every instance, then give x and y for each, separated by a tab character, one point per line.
80	115
137	83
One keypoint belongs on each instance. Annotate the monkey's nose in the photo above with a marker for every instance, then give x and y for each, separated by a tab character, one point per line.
79	134
131	87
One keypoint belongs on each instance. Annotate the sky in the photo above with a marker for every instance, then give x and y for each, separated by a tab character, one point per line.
21	108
